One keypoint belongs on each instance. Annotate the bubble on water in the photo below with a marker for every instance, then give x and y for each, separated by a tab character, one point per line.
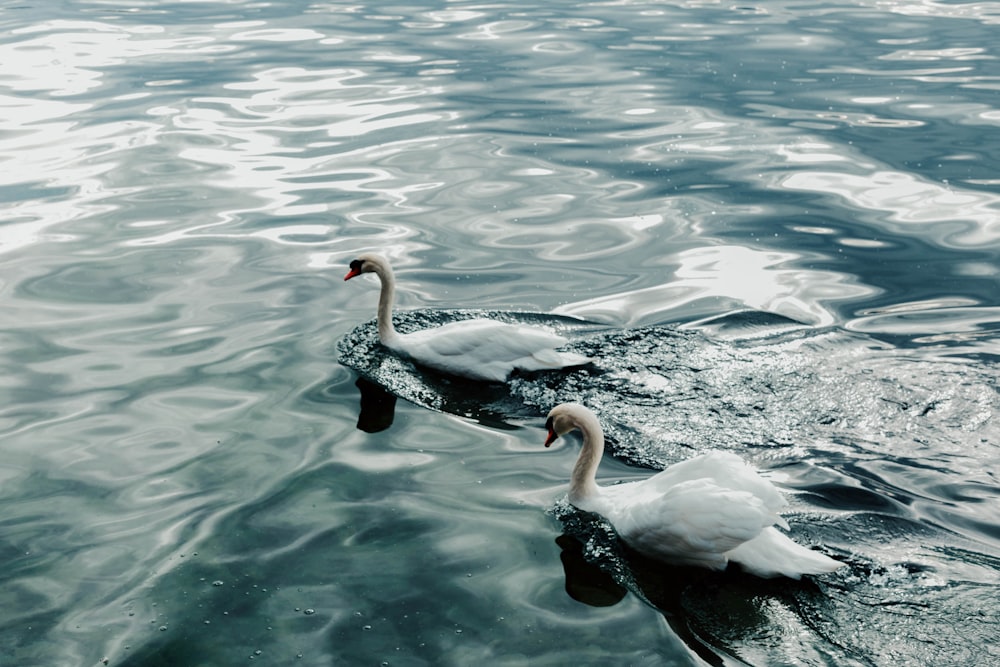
744	379
309	612
218	582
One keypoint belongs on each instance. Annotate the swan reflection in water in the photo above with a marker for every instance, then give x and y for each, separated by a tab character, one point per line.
378	406
725	618
486	403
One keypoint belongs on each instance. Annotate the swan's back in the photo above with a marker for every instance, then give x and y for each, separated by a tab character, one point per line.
486	349
693	522
728	471
707	511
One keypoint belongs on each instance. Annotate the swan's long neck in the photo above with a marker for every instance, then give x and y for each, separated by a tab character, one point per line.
386	332
583	484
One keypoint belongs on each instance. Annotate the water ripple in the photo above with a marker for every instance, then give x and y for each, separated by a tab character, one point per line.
183	477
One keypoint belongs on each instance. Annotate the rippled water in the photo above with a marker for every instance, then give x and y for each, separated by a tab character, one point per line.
777	225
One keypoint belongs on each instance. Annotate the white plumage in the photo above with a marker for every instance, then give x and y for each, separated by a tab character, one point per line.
480	349
706	511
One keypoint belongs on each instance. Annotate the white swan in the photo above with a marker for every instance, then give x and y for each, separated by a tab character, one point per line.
706	511
480	349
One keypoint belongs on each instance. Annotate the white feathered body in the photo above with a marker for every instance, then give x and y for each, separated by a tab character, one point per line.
483	349
707	511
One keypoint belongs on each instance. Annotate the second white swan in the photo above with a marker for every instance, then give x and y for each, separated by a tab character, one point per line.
706	511
480	349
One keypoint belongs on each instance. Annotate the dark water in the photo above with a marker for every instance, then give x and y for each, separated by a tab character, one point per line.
776	226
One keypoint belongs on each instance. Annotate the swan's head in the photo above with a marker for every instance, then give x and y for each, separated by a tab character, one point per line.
367	263
563	419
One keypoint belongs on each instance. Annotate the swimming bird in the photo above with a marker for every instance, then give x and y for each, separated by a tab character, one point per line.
706	511
480	349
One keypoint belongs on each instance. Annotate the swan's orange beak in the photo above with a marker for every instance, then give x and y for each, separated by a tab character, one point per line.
352	273
552	437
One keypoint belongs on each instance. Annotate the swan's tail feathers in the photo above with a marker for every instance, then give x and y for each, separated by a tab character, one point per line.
773	554
574	359
555	359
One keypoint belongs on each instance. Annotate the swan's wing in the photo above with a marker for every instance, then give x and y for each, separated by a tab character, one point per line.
773	554
455	339
739	475
486	348
729	471
500	339
695	521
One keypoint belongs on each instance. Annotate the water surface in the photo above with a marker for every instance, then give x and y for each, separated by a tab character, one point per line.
777	223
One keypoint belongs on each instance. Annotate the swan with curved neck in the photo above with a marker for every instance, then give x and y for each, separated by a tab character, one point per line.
706	511
480	349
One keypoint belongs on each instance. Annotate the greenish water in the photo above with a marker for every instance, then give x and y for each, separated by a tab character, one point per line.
776	226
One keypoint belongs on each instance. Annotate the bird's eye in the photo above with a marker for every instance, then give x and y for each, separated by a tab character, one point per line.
549	424
356	265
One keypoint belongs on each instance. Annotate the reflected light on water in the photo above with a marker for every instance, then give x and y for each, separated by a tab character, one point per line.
964	217
935	321
284	141
745	277
185	182
986	12
65	58
292	141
